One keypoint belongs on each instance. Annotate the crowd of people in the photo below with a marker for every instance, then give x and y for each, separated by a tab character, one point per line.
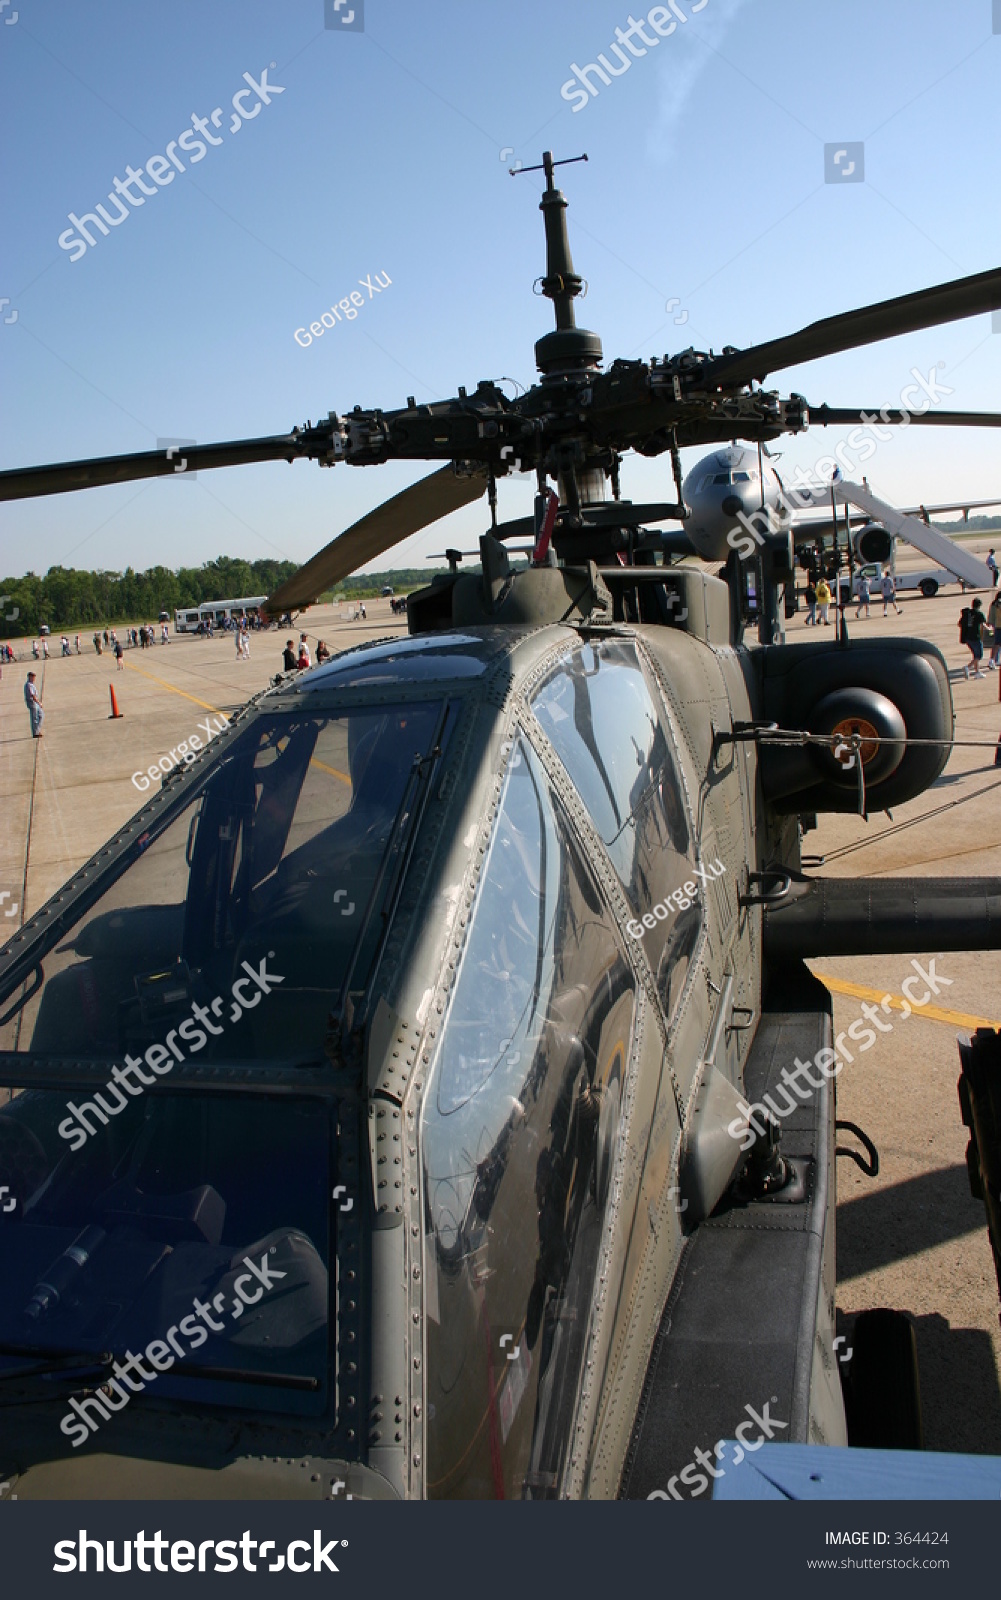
822	596
976	627
301	660
298	658
141	638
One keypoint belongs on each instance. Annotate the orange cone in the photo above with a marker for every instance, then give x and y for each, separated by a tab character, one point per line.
114	703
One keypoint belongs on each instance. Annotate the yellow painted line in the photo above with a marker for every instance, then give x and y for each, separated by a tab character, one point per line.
332	770
933	1013
205	705
183	692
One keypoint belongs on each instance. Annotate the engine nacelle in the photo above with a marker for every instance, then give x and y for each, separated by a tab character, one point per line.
873	543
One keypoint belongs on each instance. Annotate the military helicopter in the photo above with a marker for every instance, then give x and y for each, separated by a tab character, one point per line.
386	1104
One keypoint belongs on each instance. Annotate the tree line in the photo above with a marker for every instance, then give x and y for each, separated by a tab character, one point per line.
67	599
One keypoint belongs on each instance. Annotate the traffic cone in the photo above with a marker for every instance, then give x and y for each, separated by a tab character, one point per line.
114	703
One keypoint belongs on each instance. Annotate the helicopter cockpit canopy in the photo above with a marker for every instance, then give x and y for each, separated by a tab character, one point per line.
280	849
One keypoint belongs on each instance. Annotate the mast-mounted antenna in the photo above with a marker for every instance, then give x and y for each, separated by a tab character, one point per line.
569	349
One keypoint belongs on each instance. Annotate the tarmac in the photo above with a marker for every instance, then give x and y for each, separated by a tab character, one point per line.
912	1238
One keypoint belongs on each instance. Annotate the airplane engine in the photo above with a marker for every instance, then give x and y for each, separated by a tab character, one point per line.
873	543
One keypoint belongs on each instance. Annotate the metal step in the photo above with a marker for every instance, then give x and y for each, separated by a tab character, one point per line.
739	1327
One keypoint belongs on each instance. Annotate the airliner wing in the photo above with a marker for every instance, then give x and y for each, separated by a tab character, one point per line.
804	529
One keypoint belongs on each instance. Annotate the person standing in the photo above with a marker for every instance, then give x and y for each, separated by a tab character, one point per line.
994	623
889	589
305	660
289	657
992	564
810	596
824	600
33	701
78	644
972	623
119	655
863	596
245	642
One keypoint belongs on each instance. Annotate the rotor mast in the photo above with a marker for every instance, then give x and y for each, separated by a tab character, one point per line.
569	349
569	356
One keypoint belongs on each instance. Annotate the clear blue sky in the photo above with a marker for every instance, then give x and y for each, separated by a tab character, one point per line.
383	154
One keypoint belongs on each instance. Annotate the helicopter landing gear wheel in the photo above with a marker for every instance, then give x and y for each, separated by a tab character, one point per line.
865	715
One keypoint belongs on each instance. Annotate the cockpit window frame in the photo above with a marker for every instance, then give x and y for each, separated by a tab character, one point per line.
585	822
521	743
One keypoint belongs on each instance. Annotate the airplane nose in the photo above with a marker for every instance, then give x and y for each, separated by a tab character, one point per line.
731	505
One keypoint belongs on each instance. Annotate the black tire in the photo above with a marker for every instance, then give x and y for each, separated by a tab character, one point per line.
882	716
883	1392
928	587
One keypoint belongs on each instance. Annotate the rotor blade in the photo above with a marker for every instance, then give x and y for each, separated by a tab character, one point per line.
944	302
376	532
831	415
625	514
26	482
606	514
931	543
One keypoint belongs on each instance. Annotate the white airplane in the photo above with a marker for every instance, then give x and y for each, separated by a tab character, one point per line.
727	485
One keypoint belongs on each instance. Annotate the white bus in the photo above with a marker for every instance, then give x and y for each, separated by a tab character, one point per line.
215	612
